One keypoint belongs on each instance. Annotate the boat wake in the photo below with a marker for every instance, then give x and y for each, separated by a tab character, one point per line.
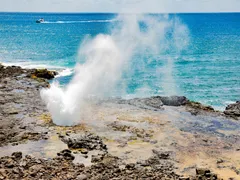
84	21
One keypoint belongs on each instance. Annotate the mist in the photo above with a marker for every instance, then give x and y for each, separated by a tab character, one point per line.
107	56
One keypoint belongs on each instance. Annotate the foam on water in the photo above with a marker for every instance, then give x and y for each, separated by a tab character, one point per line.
65	72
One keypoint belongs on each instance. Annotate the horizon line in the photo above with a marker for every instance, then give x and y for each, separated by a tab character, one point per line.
63	12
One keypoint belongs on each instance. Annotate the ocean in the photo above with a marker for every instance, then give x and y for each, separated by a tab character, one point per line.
202	62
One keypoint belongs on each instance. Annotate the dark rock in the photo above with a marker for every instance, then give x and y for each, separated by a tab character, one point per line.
66	154
43	73
10	163
97	158
17	155
219	161
202	171
84	151
174	100
161	155
130	166
143	163
233	109
196	107
184	178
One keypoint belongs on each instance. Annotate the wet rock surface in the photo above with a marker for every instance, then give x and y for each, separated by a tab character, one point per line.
148	138
139	133
20	105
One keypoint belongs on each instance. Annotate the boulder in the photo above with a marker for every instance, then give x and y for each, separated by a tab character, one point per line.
233	109
88	142
173	100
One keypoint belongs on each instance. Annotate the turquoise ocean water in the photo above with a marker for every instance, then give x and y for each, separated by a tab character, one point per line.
208	70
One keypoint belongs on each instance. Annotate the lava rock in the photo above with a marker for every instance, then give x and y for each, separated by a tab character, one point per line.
88	142
233	109
66	154
17	155
44	73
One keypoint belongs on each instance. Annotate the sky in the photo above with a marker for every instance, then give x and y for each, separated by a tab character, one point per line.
120	6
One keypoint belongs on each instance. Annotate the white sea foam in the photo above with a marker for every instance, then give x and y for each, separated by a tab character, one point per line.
65	72
107	57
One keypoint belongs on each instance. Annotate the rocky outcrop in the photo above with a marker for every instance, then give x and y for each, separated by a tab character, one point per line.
20	104
205	174
233	109
156	102
66	154
43	73
173	100
11	71
88	141
196	108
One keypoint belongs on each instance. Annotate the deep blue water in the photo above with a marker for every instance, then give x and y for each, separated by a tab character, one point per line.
208	70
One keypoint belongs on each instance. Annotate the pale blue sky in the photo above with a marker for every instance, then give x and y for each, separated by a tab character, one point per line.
127	6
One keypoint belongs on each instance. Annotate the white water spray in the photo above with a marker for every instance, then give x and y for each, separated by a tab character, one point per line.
106	58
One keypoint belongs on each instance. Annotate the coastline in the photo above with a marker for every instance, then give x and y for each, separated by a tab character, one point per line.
138	138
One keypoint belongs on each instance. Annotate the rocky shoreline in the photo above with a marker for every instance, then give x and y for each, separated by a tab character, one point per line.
149	138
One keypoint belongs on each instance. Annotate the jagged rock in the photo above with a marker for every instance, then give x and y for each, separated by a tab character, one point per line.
233	109
44	73
97	158
88	142
66	154
196	108
17	155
